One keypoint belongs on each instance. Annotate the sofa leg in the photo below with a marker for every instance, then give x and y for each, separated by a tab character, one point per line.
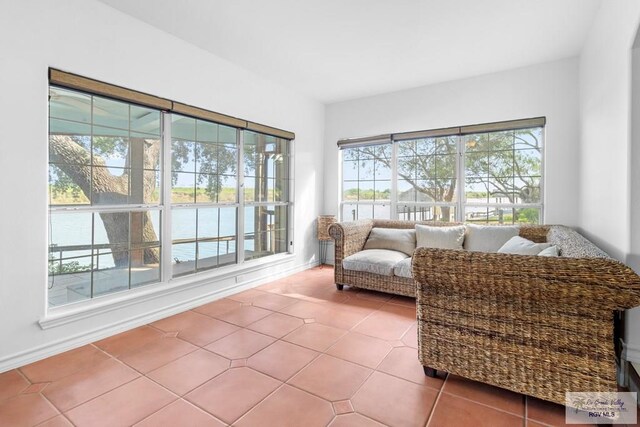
339	286
430	372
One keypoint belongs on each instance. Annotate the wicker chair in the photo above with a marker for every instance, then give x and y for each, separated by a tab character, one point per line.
540	326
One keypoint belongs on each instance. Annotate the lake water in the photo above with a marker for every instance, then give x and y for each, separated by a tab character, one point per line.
75	229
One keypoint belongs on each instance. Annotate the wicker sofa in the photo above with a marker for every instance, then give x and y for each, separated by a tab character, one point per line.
350	238
540	326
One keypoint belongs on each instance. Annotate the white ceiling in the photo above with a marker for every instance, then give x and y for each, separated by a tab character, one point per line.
334	50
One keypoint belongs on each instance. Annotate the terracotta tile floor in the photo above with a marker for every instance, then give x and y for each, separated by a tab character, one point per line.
293	352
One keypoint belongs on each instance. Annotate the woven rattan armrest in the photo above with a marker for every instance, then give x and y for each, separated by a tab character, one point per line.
350	237
560	281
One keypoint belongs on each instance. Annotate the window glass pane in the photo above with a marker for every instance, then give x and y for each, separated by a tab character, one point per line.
145	152
183	128
476	190
382	190
183	188
206	157
265	160
110	113
182	156
265	231
145	120
528	139
227	236
63	190
183	235
364	211
406	191
526	215
349	212
382	211
366	190
70	260
69	142
111	271
69	105
145	270
207	188
228	192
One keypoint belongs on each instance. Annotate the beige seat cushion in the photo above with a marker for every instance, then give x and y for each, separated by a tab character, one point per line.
376	261
396	239
403	268
488	238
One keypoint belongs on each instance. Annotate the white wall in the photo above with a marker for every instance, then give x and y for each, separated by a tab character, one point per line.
610	182
605	102
542	90
89	38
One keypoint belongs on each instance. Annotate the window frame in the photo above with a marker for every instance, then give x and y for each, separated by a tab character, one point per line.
165	206
460	133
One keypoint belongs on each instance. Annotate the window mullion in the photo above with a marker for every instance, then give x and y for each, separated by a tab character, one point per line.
166	237
460	169
394	181
241	205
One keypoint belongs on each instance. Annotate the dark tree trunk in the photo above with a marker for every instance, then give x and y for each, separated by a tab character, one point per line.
105	188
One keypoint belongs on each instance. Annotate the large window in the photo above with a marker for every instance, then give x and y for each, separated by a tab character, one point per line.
482	173
118	221
266	194
104	162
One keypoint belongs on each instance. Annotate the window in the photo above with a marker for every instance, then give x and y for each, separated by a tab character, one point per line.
366	184
503	176
204	194
105	222
118	221
266	194
427	179
482	173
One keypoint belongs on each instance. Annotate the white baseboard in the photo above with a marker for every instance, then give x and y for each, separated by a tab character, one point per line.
50	349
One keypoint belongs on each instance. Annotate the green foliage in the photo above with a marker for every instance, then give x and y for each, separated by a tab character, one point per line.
56	268
366	194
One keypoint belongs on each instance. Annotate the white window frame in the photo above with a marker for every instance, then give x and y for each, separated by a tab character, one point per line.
460	202
167	282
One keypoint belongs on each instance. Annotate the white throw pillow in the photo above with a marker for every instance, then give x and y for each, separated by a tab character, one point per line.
396	239
520	246
429	236
488	238
550	251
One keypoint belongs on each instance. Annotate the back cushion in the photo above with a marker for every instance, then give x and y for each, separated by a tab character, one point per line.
428	236
488	238
396	239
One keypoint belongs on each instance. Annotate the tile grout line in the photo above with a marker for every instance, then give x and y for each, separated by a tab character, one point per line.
435	403
56	408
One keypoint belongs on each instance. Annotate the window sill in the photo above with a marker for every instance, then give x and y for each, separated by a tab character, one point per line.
71	313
